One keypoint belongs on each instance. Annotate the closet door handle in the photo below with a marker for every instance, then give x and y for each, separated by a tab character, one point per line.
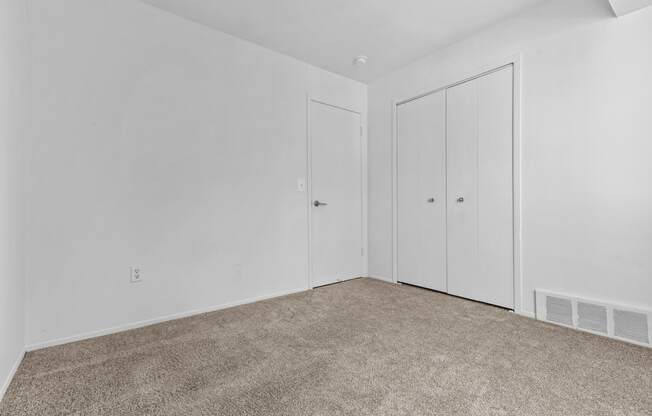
431	200
460	199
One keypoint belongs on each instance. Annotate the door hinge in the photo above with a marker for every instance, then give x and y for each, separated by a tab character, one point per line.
360	131
362	251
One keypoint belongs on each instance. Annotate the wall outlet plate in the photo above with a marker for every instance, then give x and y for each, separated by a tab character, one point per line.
136	274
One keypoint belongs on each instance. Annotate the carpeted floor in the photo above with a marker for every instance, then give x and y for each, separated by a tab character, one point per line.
362	347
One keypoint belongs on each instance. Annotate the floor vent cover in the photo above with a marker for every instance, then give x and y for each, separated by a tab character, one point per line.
559	310
592	317
631	326
602	318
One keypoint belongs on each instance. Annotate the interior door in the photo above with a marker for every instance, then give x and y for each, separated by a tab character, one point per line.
480	189
336	190
422	192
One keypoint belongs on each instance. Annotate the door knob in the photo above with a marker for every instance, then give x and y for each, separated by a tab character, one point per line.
318	204
460	199
431	200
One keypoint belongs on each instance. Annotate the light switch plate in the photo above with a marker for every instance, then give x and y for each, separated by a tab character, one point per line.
301	185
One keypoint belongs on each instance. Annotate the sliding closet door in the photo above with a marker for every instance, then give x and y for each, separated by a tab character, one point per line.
480	189
422	192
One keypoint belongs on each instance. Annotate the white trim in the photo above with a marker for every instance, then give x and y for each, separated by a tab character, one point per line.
365	188
515	61
449	86
364	182
12	373
140	324
382	278
526	314
395	191
337	106
309	190
517	158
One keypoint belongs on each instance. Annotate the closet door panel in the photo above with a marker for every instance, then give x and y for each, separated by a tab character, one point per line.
462	198
495	189
480	188
421	236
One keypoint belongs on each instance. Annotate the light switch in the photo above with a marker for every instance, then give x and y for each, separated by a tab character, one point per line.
301	185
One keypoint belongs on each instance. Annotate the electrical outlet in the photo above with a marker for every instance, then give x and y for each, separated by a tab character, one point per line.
136	274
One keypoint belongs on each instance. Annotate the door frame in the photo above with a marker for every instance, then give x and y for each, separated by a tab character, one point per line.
310	100
515	62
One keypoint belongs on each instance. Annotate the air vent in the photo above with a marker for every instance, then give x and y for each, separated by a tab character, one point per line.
559	310
601	318
631	326
592	317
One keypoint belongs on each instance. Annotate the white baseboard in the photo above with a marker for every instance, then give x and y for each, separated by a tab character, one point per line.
384	279
140	324
526	314
10	376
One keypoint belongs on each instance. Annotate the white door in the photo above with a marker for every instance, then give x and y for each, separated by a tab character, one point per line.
422	192
336	190
480	189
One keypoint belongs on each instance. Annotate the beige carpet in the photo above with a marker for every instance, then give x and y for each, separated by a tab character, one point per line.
358	348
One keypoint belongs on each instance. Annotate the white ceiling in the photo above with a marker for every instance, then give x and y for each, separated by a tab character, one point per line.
622	7
330	33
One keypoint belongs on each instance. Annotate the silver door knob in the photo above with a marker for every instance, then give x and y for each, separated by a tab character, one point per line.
431	200
318	204
460	199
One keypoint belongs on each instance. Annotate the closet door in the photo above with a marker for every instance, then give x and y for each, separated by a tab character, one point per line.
422	192
480	189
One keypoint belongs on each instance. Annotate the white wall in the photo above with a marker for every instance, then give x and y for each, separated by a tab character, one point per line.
159	142
155	141
586	145
12	284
